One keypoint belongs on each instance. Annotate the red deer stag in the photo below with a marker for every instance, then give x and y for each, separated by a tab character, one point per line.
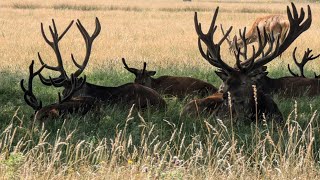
276	24
296	85
171	85
64	106
248	102
128	93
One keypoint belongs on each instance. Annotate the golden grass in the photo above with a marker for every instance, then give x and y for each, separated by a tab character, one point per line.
162	34
158	32
215	155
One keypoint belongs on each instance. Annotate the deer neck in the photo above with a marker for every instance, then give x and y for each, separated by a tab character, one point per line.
268	85
154	82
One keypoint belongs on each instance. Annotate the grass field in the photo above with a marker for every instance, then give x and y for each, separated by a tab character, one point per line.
121	144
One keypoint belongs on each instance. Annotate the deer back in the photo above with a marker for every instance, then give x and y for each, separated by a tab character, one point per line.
80	105
208	105
182	86
130	93
171	85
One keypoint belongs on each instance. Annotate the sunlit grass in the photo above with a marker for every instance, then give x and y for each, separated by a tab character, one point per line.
116	143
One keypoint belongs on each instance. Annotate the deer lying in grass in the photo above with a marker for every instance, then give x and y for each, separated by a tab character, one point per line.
171	85
127	94
209	105
248	102
295	85
65	105
276	24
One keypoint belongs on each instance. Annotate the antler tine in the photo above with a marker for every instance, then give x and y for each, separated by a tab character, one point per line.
29	97
66	30
297	63
243	39
144	67
214	49
207	56
88	40
226	37
132	70
54	44
306	58
74	87
291	72
270	42
261	45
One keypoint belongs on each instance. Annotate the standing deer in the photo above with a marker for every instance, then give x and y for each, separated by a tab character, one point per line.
128	94
171	85
249	102
277	25
65	105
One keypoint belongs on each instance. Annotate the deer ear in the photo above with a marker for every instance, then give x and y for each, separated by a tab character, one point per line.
151	73
222	75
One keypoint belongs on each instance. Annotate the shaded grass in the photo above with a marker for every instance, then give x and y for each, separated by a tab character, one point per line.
181	136
111	116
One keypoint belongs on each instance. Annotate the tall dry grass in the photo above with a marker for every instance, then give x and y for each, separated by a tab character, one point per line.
161	33
216	154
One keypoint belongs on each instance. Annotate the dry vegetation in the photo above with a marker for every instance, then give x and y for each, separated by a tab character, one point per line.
161	33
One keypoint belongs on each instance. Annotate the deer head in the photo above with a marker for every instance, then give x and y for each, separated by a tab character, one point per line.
143	76
238	81
52	110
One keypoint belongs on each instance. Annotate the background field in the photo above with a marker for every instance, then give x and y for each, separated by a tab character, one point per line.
162	34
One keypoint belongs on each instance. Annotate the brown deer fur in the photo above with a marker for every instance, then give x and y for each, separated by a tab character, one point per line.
276	24
171	85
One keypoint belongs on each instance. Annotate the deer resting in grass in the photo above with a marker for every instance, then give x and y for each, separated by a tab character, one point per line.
295	85
170	85
213	104
248	102
65	105
127	94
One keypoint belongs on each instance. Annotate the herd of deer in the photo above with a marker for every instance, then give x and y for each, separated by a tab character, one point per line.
246	90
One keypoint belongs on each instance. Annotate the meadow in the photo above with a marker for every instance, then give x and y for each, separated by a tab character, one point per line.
119	142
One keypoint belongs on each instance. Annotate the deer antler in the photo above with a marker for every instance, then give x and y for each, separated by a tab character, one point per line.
54	44
75	86
60	81
297	26
227	37
132	70
29	97
89	40
306	58
213	57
